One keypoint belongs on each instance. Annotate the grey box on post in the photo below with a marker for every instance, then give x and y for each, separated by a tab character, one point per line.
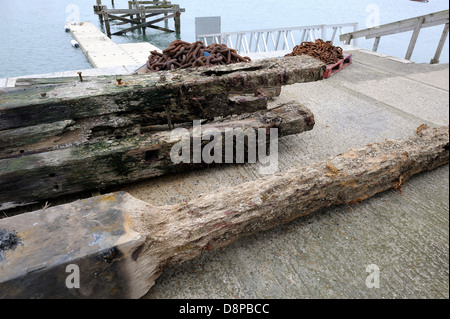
207	25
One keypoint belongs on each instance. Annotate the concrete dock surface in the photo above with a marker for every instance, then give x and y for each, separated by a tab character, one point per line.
327	254
331	253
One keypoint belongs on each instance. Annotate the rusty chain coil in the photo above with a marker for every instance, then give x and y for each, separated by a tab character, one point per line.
322	50
181	55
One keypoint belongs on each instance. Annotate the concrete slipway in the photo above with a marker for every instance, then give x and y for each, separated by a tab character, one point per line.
325	255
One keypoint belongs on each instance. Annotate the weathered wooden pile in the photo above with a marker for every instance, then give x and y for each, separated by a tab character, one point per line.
64	136
137	14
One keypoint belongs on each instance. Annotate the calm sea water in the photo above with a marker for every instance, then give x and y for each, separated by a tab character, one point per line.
32	37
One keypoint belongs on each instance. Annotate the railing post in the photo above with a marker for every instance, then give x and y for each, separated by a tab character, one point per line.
375	44
348	39
414	37
286	43
324	32
440	45
238	42
311	36
246	44
278	40
355	28
303	36
334	34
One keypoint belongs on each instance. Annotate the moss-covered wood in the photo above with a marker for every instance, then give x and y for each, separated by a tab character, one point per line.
105	160
189	94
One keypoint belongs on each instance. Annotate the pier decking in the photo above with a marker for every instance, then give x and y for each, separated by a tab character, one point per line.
104	52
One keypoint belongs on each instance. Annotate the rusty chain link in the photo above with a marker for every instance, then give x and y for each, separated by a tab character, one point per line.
322	50
181	55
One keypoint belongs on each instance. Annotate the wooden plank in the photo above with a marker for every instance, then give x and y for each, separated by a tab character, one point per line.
146	16
130	242
98	242
12	141
406	29
102	161
375	44
430	20
51	81
149	2
440	45
415	35
148	24
348	39
161	19
137	11
162	6
193	93
111	16
159	28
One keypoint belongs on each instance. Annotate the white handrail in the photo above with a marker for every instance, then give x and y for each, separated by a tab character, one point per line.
267	40
412	24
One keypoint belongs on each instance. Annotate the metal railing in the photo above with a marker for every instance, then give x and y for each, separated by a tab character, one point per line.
275	39
413	24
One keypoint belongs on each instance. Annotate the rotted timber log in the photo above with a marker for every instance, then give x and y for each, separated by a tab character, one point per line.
121	244
62	136
184	95
100	160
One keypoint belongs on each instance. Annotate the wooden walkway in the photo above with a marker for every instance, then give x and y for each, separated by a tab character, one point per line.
103	52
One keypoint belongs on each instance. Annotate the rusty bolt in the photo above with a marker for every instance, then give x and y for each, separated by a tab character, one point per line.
81	78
